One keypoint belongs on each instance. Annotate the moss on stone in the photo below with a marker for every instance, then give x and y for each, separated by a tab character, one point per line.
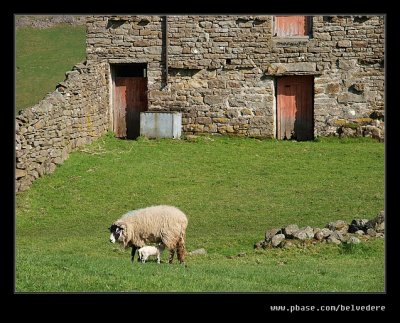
340	122
351	125
363	120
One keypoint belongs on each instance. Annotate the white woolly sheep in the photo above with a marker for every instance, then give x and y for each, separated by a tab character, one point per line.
154	224
147	251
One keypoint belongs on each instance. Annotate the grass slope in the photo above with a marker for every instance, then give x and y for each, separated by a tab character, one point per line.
232	190
42	58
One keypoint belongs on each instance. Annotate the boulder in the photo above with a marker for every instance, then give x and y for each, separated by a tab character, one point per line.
333	240
260	244
372	224
357	224
270	233
339	225
277	239
200	251
290	230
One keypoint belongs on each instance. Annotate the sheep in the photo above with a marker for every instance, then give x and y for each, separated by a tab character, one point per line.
154	224
147	251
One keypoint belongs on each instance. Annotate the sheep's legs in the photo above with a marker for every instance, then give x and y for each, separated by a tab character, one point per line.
171	256
133	253
181	254
180	250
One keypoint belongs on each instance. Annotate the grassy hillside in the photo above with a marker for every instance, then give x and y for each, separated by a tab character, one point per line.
232	190
42	58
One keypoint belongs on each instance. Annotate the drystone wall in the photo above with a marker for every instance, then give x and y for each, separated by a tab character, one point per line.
47	21
222	70
73	115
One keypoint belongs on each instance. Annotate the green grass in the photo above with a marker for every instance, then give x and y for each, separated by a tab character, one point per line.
232	190
42	58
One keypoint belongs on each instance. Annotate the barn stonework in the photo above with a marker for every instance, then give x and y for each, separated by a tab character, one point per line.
284	77
223	73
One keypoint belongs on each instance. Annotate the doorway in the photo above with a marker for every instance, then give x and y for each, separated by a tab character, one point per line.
295	115
129	98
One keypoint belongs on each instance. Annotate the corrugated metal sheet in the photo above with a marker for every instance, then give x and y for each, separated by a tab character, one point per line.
161	124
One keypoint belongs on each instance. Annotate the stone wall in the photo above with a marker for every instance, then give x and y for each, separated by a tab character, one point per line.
127	39
222	70
221	75
74	114
47	21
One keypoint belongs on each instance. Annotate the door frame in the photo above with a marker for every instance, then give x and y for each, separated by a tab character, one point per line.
115	71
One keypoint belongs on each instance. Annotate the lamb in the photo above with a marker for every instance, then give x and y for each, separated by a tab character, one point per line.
154	224
147	251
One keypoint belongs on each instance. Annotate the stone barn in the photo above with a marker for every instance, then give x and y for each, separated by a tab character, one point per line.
284	77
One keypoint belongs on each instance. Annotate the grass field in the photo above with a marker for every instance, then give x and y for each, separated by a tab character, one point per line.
232	190
42	58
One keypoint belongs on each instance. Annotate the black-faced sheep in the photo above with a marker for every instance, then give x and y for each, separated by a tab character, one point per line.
147	251
154	224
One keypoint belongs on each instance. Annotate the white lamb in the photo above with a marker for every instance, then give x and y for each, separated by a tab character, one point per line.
147	251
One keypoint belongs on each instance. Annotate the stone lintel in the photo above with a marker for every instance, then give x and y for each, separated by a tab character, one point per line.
292	69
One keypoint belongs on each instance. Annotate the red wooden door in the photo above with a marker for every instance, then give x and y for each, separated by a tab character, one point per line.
130	98
295	108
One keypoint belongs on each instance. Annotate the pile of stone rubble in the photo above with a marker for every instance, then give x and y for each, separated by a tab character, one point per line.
334	232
